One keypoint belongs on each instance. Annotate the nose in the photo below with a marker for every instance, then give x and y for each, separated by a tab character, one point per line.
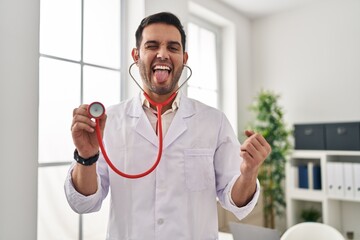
163	53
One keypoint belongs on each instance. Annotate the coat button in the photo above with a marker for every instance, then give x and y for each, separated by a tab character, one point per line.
160	221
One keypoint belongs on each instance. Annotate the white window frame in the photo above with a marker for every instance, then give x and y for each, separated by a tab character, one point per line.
122	72
203	23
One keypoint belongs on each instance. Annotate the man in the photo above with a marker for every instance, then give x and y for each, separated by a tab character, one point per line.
202	158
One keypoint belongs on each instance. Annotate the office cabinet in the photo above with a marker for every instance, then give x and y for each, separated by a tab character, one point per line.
309	136
342	136
332	187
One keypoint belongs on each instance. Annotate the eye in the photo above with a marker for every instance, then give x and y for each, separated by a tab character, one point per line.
150	47
174	48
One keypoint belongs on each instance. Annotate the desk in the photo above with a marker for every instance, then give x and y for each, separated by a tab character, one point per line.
225	236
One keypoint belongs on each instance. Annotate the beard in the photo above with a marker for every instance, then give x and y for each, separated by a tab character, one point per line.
146	76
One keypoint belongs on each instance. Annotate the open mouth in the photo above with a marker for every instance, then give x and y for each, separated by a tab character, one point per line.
161	72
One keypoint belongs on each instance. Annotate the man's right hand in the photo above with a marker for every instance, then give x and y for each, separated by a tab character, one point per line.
83	131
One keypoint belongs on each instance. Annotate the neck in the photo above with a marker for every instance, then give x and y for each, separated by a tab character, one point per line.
165	101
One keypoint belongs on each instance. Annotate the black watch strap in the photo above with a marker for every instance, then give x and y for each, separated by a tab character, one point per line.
85	161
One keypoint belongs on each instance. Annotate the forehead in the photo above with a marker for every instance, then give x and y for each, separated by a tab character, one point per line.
161	32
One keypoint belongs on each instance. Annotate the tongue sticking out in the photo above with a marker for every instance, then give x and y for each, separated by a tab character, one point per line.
161	75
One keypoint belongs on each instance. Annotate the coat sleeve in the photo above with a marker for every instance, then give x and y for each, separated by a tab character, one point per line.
86	204
227	170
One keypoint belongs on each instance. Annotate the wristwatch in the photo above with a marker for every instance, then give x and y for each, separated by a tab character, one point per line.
85	161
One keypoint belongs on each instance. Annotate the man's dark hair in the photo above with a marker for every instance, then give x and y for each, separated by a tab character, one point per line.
162	17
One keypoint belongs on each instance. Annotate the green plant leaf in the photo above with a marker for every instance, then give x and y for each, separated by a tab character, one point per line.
270	123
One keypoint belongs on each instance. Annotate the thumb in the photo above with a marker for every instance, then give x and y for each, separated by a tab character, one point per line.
248	133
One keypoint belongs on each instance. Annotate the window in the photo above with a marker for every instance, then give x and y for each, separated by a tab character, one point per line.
79	63
203	42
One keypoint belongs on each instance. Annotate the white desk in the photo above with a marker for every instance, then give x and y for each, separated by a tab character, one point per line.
225	236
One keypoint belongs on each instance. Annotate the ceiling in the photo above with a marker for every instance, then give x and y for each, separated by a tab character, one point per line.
261	8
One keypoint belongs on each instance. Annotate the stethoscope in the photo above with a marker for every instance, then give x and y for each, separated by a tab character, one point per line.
96	110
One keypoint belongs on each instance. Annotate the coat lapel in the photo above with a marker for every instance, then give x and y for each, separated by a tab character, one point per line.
142	125
178	125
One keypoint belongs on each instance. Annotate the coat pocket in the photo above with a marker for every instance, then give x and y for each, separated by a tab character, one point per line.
199	169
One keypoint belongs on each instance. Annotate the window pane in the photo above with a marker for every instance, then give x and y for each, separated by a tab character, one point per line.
202	49
95	224
56	220
102	32
208	59
59	95
194	54
101	85
60	28
205	96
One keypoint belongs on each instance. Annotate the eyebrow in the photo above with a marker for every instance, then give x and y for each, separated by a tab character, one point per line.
151	42
174	43
169	43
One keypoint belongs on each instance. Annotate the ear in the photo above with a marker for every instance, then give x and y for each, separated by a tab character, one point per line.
185	57
135	54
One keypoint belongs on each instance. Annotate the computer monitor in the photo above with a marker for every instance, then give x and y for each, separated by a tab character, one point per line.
242	231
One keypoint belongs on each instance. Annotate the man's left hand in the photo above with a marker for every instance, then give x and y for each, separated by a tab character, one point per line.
254	151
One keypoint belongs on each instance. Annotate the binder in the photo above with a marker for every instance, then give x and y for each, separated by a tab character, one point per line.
334	179
316	170
356	168
310	174
348	179
303	176
330	178
339	179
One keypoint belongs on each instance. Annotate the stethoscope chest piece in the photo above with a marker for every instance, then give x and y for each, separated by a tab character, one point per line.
96	110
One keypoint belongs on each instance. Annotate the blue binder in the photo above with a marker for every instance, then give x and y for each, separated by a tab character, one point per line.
303	176
317	177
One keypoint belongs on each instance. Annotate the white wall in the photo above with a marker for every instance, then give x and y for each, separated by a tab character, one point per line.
19	64
236	71
311	56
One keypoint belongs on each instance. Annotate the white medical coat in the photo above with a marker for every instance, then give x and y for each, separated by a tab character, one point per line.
200	161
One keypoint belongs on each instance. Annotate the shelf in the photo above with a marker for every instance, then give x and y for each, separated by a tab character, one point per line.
297	206
320	153
306	194
355	200
339	207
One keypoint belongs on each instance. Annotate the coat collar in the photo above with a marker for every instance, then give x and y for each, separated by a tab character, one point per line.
178	126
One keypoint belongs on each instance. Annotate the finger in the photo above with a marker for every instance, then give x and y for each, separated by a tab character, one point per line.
256	149
261	140
264	144
79	126
249	133
255	140
81	110
246	156
83	120
252	150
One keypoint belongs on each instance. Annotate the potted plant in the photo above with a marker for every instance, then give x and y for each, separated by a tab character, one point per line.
270	123
310	215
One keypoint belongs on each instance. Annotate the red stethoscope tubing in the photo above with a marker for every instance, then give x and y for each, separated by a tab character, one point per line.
159	107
